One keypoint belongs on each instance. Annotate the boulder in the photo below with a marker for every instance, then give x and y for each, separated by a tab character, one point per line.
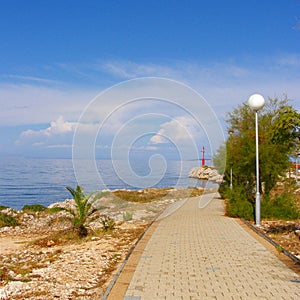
206	173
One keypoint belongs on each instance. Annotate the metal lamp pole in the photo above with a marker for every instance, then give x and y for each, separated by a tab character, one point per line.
257	102
230	133
297	154
296	132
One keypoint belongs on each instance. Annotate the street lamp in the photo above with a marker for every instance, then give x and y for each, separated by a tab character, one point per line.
297	154
230	133
257	102
296	133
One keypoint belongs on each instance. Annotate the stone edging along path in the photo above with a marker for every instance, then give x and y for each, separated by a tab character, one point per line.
276	245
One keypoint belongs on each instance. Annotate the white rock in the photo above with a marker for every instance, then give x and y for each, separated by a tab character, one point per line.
206	173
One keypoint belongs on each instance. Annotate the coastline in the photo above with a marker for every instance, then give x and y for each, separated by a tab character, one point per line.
37	263
42	181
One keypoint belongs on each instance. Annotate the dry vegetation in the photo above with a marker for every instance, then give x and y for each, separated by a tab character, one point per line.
43	258
285	232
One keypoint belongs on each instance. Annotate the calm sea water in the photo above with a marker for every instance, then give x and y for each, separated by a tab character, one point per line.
43	181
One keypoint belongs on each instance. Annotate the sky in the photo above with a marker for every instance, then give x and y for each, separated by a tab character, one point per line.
138	77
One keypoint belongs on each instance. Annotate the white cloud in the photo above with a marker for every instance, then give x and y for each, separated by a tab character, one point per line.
178	130
56	127
58	130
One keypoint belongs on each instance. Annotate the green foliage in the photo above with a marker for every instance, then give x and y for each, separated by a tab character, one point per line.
83	210
127	216
34	207
277	123
279	207
239	209
108	223
279	249
219	160
3	207
54	210
237	205
6	220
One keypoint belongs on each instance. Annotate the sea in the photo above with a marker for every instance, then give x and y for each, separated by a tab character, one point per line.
25	181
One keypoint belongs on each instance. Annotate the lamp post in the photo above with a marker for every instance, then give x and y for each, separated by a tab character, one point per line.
230	133
296	133
297	154
257	102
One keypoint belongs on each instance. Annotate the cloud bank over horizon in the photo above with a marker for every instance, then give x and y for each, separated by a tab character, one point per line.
28	101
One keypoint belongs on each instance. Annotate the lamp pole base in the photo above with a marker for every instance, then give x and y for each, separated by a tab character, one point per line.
257	209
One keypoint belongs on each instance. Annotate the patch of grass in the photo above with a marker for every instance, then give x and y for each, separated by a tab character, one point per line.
6	220
34	207
142	196
155	194
53	210
127	216
153	210
2	207
147	195
279	249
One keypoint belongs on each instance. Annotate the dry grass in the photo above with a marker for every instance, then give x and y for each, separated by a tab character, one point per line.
142	196
153	194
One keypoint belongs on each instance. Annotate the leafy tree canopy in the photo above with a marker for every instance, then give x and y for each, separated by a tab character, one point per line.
279	133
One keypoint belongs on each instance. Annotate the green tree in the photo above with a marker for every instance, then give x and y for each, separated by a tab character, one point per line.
83	209
277	123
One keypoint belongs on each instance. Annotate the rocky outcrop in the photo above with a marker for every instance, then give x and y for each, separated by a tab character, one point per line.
206	173
37	264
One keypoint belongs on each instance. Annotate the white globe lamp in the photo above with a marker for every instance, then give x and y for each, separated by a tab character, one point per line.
256	102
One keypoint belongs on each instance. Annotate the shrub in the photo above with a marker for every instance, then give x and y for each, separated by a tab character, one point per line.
237	205
2	207
239	209
108	223
279	207
6	220
34	207
54	209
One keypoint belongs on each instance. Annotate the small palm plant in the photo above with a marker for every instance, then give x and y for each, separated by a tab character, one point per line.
82	210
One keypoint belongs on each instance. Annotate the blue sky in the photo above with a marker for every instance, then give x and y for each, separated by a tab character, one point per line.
57	56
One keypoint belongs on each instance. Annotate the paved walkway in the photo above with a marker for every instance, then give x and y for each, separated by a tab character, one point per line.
197	253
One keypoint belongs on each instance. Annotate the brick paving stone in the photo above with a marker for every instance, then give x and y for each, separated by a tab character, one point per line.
198	253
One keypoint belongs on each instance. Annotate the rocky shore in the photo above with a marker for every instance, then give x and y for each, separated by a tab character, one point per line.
40	259
206	173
